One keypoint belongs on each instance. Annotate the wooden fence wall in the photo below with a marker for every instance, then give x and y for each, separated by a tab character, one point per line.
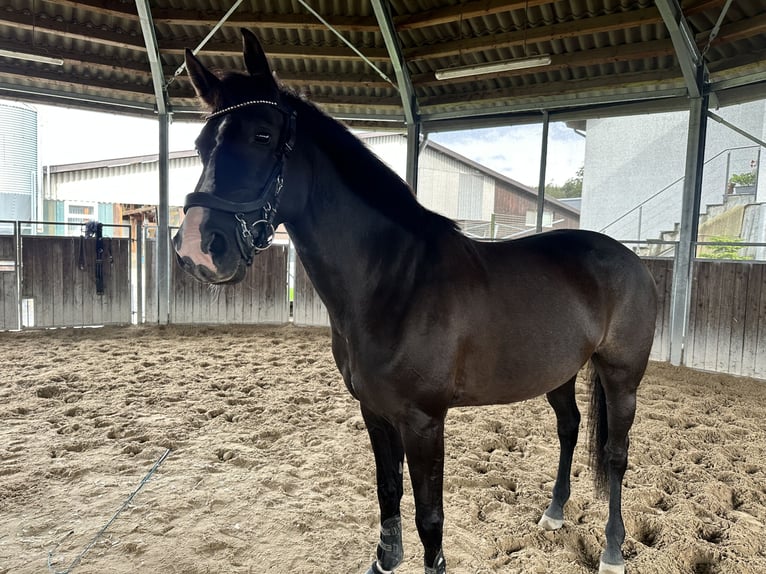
727	322
261	298
727	319
62	294
308	309
9	305
662	271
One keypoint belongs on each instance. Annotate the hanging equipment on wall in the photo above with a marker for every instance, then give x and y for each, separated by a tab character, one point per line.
95	229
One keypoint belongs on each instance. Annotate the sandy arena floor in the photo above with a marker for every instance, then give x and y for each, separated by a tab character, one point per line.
271	472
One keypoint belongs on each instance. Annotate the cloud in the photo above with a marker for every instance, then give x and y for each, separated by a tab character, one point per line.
515	151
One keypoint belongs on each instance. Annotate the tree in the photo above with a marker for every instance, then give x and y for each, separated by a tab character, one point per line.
727	248
571	188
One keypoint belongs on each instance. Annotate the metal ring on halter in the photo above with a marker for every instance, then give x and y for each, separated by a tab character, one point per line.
265	237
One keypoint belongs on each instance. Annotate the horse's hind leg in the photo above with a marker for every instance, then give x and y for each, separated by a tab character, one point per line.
564	405
615	405
389	455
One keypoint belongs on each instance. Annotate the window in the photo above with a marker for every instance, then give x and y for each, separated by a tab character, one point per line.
532	218
78	214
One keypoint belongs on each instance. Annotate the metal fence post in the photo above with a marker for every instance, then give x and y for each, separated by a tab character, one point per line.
139	271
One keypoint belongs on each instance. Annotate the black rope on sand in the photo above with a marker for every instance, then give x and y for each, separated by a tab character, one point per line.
100	533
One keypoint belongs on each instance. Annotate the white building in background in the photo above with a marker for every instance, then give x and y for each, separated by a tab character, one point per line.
634	170
125	190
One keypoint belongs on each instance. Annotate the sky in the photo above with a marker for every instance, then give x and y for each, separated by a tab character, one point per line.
512	151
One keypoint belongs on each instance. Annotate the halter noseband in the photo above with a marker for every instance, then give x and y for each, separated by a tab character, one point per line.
253	237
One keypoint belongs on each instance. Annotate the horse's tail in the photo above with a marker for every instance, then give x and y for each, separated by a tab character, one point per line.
598	433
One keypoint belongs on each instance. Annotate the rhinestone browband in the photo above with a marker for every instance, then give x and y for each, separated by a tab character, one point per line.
230	109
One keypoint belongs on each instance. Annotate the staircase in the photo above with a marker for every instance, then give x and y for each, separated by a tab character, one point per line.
717	219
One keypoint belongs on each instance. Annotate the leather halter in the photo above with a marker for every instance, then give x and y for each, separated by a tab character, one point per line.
255	237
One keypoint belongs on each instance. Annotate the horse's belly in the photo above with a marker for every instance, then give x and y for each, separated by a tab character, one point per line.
513	374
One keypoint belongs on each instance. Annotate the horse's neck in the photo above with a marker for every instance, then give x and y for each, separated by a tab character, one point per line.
346	246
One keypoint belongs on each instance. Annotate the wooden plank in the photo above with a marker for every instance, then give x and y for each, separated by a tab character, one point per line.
750	334
9	306
123	285
662	271
759	369
695	335
308	307
723	333
712	314
92	302
116	298
666	300
742	276
68	272
42	292
150	281
7	248
268	271
81	284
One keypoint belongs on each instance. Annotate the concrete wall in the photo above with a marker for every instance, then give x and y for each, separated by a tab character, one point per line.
629	160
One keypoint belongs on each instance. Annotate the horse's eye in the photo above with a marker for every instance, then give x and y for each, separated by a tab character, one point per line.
262	138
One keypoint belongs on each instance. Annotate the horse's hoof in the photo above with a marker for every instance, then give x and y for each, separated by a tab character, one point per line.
605	568
375	569
548	523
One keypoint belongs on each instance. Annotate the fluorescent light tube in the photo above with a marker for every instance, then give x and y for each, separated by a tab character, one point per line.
493	68
32	57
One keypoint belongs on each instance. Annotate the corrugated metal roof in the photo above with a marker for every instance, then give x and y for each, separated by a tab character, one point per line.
602	52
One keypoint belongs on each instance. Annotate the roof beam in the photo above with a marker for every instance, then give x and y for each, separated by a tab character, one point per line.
264	20
608	87
403	80
583	27
280	51
72	30
37	74
462	11
76	99
595	57
206	18
747	28
687	53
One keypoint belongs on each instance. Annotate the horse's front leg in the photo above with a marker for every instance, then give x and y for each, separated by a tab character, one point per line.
564	404
423	437
389	455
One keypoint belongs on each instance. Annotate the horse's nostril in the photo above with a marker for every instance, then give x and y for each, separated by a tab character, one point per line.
217	245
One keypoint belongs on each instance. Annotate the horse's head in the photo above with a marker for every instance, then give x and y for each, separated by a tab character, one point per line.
243	146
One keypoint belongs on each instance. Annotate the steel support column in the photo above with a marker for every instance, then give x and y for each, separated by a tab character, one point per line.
413	155
163	224
543	168
161	96
690	209
405	87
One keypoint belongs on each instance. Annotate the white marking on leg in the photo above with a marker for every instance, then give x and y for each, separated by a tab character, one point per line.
548	523
605	568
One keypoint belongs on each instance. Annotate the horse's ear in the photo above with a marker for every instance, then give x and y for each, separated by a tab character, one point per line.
255	58
205	83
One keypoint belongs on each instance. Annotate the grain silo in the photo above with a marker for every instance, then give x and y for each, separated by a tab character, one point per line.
18	163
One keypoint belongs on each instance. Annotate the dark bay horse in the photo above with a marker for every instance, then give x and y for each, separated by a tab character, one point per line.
423	318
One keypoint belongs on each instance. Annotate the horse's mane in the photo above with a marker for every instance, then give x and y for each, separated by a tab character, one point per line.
364	173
